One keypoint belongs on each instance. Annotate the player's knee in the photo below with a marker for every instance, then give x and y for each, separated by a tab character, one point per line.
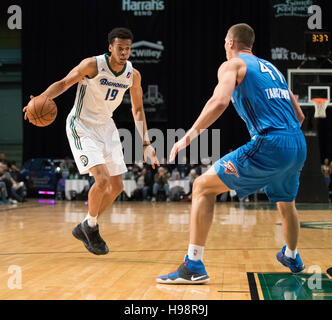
286	208
198	187
102	183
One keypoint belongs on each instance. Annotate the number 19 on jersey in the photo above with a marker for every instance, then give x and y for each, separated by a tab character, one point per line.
111	94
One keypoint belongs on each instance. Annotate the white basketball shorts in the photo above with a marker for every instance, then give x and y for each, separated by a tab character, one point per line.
92	146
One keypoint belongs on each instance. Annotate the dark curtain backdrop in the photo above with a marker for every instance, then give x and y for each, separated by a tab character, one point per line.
57	35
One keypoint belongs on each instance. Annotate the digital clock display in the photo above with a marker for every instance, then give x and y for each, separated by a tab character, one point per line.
320	37
317	43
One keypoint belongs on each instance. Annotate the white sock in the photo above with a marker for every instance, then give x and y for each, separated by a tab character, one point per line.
195	252
290	253
92	221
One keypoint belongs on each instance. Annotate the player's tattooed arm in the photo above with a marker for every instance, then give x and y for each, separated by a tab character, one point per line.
136	94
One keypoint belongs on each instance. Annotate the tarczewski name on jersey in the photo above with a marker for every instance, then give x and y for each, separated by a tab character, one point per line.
105	82
273	93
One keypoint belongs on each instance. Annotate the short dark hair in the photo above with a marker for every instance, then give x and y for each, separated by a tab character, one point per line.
122	33
242	33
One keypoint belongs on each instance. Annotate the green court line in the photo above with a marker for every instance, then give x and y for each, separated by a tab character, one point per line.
287	286
271	206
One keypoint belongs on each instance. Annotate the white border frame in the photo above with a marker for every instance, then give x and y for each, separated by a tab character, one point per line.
319	87
310	71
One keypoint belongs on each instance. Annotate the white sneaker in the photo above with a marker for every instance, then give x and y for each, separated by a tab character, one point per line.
13	201
19	185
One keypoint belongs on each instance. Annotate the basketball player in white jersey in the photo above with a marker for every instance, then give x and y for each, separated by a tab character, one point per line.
92	134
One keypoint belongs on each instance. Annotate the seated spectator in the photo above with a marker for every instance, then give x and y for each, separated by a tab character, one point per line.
326	170
73	173
136	171
143	185
2	157
16	191
205	165
13	170
60	188
140	164
184	168
66	166
196	167
175	174
168	167
3	193
191	177
160	183
129	175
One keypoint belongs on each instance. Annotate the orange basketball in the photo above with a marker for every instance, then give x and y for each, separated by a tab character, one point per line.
42	111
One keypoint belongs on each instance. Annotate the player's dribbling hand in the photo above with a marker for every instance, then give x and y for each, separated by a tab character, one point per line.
150	152
26	107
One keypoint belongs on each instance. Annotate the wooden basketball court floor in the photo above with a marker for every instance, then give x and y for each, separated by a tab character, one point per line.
40	259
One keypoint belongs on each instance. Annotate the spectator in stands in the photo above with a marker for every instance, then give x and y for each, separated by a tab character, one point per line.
129	175
2	157
167	166
326	170
73	173
160	183
3	192
191	177
140	164
205	165
13	170
60	188
148	183
15	190
176	175
196	167
184	167
136	171
144	183
66	166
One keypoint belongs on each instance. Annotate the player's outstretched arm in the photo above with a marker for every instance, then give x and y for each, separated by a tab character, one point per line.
216	105
297	109
88	67
136	94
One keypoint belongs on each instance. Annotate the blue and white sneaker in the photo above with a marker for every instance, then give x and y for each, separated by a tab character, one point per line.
189	272
295	265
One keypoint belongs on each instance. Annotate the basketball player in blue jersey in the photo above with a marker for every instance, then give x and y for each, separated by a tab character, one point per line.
92	134
272	159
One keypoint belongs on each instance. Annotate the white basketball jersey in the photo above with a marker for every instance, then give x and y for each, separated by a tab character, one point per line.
97	98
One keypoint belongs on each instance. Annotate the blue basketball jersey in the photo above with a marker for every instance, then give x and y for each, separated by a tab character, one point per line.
262	99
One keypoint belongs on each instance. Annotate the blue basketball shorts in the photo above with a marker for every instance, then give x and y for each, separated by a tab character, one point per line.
273	161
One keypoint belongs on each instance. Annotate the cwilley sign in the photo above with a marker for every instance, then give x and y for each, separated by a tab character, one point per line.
146	52
143	8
